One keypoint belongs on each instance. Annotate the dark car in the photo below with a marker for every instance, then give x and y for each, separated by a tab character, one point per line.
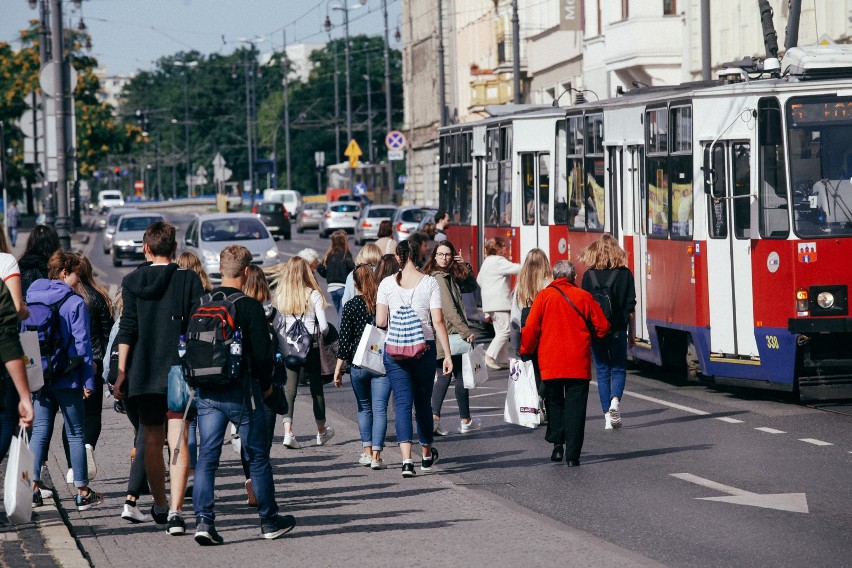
275	216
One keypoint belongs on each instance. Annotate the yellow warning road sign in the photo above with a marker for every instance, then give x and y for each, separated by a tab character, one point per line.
353	152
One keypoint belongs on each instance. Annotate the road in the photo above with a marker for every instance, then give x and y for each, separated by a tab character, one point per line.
698	475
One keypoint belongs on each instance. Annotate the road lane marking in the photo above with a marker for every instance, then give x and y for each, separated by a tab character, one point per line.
729	420
770	430
815	442
666	403
791	502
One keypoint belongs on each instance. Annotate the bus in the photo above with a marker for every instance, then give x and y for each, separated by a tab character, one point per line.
732	198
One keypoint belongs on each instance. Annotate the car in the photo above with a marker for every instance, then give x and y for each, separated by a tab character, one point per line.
309	216
109	198
291	199
275	216
208	234
127	239
110	221
368	223
407	219
339	215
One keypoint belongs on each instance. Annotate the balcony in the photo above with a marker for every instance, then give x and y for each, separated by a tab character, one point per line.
637	42
488	87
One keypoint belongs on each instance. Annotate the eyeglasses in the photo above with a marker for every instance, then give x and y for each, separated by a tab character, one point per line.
443	255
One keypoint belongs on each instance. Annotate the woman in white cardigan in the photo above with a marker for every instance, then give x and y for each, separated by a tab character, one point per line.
494	279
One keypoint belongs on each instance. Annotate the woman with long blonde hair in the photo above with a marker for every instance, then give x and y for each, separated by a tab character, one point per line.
534	276
298	297
190	261
611	282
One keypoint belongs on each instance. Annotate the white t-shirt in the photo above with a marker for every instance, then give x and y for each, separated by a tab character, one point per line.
8	266
314	313
425	296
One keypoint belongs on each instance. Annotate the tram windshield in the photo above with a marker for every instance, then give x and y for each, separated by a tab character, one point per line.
821	165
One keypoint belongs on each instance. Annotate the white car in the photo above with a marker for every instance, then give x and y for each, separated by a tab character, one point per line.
108	199
339	215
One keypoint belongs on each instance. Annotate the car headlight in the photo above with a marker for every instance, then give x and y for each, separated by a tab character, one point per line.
210	257
825	300
124	243
272	253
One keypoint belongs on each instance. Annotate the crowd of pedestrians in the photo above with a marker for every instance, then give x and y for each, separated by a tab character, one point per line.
135	342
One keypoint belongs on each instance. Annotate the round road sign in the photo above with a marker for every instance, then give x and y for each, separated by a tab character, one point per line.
395	140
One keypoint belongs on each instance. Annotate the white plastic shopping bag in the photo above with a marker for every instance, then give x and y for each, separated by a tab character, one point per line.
18	486
474	369
32	360
522	401
371	350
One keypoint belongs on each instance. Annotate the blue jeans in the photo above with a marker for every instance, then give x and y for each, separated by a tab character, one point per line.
8	417
411	381
337	300
215	409
372	393
13	235
192	442
610	356
70	402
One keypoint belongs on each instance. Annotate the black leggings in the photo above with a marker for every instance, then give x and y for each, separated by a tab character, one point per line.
137	482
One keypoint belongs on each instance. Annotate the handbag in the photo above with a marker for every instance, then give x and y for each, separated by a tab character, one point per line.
371	350
179	393
18	485
32	360
328	346
522	401
458	346
474	369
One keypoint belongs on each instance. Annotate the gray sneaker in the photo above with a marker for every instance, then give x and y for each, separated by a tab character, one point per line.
206	535
282	524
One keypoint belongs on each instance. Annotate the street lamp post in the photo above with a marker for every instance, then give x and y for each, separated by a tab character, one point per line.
369	114
251	126
186	65
345	9
388	113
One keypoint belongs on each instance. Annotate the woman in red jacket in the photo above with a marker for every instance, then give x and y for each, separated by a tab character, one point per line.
559	330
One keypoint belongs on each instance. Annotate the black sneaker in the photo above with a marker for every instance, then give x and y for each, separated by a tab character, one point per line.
426	464
408	470
160	519
90	499
175	526
281	525
38	501
206	535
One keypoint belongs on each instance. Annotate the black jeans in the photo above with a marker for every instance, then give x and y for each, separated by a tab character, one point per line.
566	414
443	383
137	482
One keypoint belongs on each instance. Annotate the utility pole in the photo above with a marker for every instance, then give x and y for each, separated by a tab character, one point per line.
61	96
516	53
388	112
174	167
369	114
336	108
348	81
442	87
706	66
285	67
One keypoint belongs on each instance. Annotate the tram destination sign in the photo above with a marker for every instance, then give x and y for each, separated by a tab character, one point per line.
821	111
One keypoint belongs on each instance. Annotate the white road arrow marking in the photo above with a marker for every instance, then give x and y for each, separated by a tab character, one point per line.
792	502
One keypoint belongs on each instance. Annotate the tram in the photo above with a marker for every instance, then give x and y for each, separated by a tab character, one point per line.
733	199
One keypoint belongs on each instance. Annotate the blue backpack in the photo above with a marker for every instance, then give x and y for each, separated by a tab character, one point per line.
45	320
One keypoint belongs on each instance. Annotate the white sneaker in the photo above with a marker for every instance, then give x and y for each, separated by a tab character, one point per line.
69	477
377	465
134	515
615	417
291	442
90	462
236	443
474	424
323	438
608	420
366	460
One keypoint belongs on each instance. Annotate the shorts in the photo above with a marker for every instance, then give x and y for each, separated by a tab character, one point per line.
151	408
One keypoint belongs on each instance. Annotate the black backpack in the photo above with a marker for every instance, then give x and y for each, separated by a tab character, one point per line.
208	342
45	320
604	295
297	344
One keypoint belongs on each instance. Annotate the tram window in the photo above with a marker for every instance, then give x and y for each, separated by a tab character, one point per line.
505	193
741	175
657	174
772	191
576	193
528	187
594	134
657	128
544	189
681	196
717	205
681	129
560	190
595	204
466	195
492	208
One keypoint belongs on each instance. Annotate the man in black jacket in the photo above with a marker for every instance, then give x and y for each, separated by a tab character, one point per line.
241	404
158	299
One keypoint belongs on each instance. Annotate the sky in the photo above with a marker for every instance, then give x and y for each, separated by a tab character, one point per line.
131	35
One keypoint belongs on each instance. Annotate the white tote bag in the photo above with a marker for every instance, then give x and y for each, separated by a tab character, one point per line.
522	401
371	350
32	360
18	486
474	369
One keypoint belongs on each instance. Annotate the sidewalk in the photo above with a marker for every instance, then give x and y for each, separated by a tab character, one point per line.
347	515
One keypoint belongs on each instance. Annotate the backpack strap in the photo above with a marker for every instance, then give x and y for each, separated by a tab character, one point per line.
576	309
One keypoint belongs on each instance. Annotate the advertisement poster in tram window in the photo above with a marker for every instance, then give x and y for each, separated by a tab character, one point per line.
595	208
576	210
682	209
658	203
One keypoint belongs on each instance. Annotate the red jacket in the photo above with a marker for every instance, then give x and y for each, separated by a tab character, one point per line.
559	335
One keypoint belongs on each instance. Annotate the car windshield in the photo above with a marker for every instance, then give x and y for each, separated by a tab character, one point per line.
412	215
271	207
386	212
346	208
137	223
112	221
243	229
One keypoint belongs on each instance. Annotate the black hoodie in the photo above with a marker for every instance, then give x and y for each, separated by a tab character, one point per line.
157	304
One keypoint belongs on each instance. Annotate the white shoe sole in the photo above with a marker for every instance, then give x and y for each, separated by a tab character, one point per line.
90	462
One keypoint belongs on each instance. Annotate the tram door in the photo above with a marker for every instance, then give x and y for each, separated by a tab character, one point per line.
479	215
535	201
729	250
615	170
636	177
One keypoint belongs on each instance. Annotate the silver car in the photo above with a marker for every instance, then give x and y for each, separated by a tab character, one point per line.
407	219
340	215
371	217
208	234
110	221
127	239
310	215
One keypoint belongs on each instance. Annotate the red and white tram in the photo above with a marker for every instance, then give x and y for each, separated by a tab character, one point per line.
733	200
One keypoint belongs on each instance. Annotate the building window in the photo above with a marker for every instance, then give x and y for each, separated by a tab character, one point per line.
669	7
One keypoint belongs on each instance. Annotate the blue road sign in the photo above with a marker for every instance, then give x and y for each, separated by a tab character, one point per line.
360	188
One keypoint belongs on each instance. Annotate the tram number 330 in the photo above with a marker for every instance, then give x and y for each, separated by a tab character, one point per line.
772	342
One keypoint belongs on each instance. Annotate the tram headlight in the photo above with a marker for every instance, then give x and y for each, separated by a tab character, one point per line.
825	300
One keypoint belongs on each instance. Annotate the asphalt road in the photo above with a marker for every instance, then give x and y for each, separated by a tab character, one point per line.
698	475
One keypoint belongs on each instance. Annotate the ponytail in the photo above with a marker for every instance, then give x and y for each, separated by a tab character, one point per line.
403	252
